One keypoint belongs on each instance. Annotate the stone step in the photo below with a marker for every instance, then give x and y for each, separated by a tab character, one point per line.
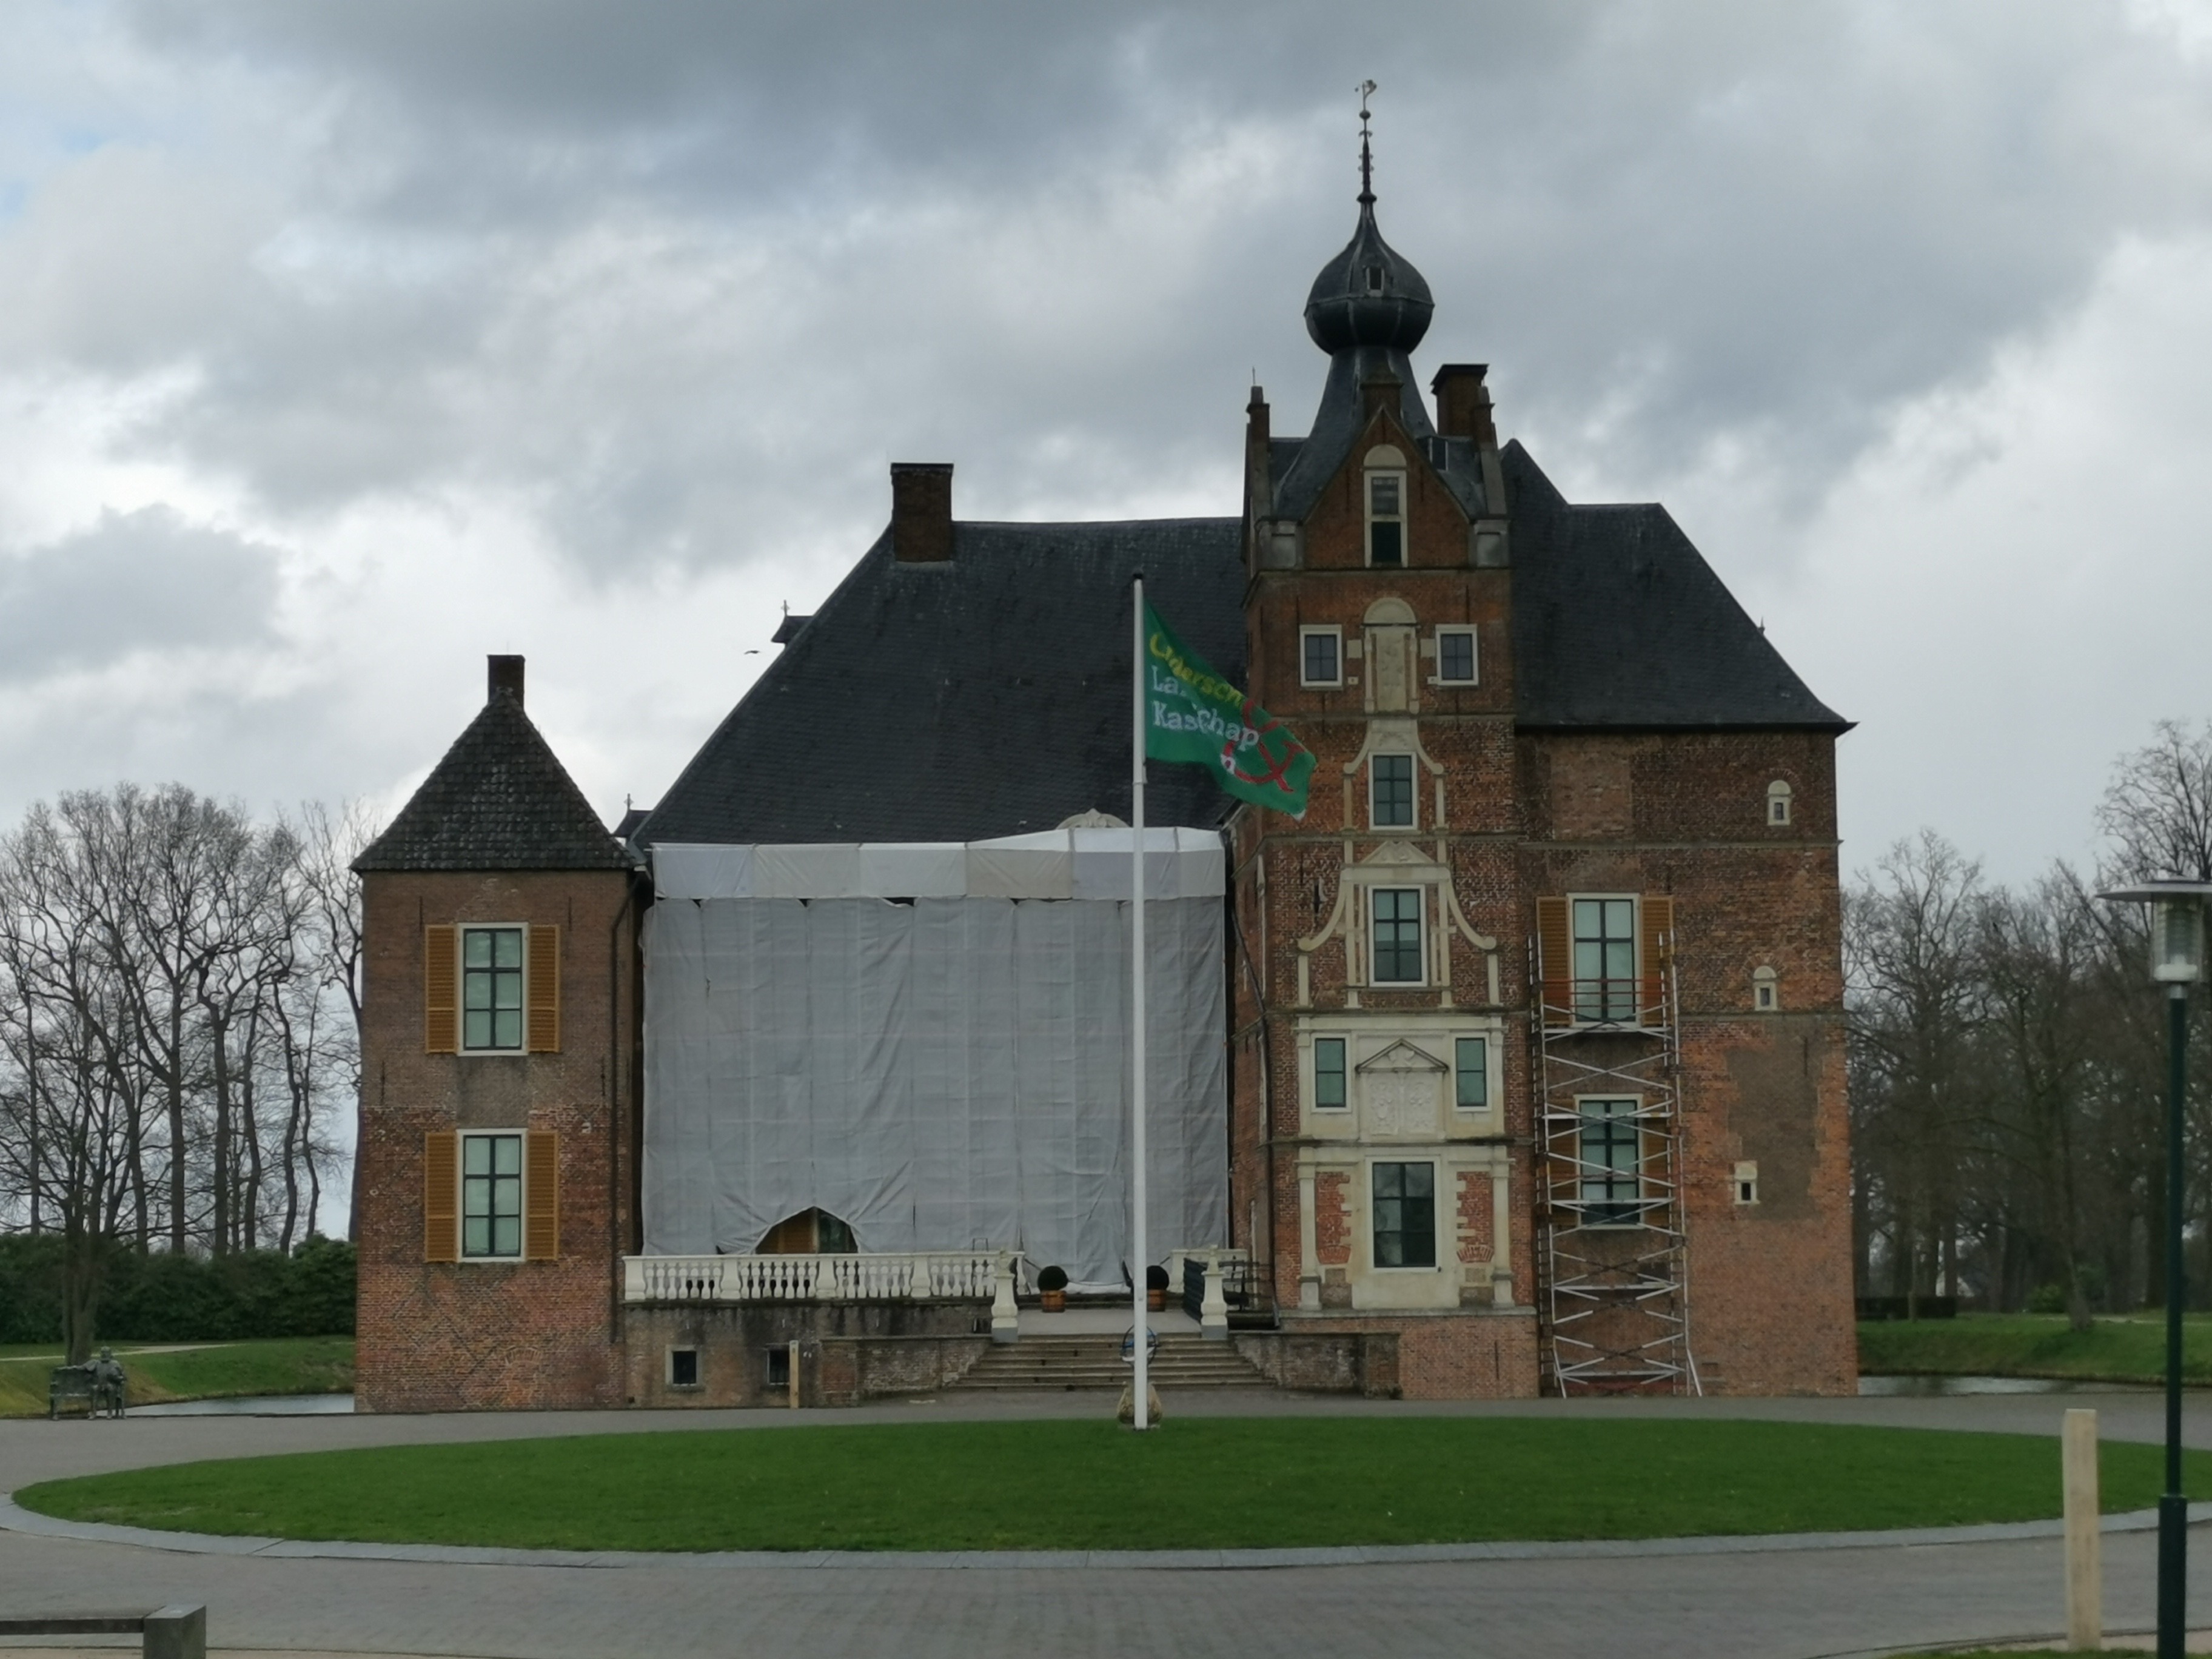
1063	1364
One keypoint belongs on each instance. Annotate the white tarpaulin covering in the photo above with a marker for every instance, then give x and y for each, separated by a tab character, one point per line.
937	1073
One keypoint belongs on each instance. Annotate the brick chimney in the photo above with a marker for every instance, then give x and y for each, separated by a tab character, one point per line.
1380	390
1464	403
921	512
505	674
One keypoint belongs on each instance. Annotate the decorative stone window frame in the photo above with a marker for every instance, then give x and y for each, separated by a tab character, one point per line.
1440	1234
1335	635
1745	1182
1781	803
1472	635
1422	898
1310	1067
1375	759
1385	465
1398	862
1765	991
1379	1050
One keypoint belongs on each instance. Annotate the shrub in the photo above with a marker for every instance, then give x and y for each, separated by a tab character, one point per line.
1053	1279
155	1296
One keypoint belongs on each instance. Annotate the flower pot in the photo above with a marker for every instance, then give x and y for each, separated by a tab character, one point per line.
1052	1301
1156	1300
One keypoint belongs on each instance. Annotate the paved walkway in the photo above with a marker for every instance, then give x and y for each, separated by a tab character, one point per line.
1801	1603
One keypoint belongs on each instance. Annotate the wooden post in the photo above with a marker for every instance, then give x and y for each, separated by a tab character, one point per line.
793	1368
2085	1573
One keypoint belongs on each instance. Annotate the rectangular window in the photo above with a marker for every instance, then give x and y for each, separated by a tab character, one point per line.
1328	1074
1386	524
491	989
1397	935
1471	1070
1455	656
491	1195
1391	786
1611	1184
1405	1215
1604	960
683	1367
1321	658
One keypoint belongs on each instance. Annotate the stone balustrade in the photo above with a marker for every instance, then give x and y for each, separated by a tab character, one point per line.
889	1276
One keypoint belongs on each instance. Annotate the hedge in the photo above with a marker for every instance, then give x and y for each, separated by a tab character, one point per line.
160	1298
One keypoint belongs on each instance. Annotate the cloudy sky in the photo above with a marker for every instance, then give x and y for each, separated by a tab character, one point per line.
343	343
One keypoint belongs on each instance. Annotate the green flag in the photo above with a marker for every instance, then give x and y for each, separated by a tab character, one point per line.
1192	713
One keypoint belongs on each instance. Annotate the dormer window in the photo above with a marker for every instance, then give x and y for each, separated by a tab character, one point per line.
1374	279
1386	518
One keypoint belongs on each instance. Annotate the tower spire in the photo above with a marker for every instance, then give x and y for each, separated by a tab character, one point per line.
1366	155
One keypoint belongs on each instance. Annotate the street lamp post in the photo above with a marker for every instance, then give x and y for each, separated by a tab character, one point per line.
2176	962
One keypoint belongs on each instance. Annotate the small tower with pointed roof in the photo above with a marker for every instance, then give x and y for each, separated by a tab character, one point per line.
497	1104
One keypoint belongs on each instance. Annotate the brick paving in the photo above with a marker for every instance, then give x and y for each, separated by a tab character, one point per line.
1799	1605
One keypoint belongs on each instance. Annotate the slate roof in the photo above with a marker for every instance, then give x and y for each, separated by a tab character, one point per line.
499	800
987	694
1619	623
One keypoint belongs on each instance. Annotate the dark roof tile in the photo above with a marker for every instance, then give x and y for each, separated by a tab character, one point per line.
499	800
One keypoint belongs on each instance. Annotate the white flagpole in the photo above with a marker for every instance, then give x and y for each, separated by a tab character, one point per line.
1139	1268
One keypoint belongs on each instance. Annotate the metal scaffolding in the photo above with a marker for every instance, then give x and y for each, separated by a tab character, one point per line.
1614	1294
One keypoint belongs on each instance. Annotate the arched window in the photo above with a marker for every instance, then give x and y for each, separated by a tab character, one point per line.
810	1233
1765	990
1778	802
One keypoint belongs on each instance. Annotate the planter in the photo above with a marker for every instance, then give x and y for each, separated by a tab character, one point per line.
1052	1301
1156	1300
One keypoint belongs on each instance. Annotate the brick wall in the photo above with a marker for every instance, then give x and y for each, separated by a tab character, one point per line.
446	1336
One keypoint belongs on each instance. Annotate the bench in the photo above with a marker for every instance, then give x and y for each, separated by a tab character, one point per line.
76	1385
172	1632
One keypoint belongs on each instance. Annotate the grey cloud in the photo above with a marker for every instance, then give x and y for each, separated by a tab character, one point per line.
133	581
1729	220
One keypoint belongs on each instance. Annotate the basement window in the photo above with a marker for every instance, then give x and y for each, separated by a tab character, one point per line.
779	1367
683	1367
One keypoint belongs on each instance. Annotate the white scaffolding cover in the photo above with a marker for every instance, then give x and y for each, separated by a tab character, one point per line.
937	1073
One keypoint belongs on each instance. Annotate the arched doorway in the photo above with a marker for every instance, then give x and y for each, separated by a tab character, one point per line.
810	1233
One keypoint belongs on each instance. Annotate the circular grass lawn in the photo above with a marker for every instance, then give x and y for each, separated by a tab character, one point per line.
1193	1484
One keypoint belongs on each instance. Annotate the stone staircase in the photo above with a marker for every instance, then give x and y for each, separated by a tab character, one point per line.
1060	1363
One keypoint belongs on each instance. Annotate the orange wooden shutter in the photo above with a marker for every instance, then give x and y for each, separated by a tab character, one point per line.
441	1014
541	1195
1654	952
442	1194
545	992
1556	950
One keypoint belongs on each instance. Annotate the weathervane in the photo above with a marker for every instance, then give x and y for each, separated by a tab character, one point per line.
1366	157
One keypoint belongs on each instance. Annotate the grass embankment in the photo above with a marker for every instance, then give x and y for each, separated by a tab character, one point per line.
1196	1483
2116	1348
307	1364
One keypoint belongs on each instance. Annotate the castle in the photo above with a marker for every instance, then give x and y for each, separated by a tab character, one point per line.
1515	1066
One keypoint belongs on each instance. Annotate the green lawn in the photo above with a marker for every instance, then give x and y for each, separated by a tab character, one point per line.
1196	1483
307	1365
2117	1348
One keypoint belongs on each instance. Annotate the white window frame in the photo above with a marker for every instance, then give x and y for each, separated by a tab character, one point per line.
1367	503
1489	1072
461	1044
1313	1073
1473	638
1765	991
1331	633
1634	1118
1421	939
1413	791
1608	996
1437	1232
521	1177
1781	803
1746	1183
